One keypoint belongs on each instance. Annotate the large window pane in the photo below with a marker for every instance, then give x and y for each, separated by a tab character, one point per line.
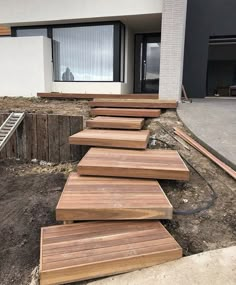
83	53
31	32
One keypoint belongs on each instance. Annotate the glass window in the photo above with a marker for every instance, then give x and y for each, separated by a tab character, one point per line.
84	53
31	32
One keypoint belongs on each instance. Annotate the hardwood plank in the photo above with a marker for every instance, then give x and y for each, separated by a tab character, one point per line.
133	103
205	152
42	137
110	252
56	95
3	152
115	123
120	112
53	138
76	125
156	164
111	138
91	199
64	133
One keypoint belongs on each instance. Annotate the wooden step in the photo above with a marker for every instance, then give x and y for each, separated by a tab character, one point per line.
120	112
116	123
156	164
111	138
55	95
89	250
103	198
134	103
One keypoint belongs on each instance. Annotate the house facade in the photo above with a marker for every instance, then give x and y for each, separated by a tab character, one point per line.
102	46
210	48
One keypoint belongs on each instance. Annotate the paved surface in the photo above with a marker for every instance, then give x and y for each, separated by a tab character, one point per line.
213	122
216	267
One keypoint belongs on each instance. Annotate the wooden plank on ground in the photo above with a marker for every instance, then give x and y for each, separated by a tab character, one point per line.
88	250
55	95
99	198
111	138
53	138
125	112
115	123
133	103
156	164
64	133
42	135
205	152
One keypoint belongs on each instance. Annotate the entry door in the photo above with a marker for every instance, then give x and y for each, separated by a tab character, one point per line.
147	63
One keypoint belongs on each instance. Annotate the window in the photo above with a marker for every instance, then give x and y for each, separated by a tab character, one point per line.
22	32
84	52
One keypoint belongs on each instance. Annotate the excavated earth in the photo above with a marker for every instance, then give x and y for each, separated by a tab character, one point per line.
205	205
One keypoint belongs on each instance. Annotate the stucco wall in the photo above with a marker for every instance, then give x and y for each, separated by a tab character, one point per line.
26	66
42	11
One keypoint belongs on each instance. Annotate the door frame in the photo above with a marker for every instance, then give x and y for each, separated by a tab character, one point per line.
140	39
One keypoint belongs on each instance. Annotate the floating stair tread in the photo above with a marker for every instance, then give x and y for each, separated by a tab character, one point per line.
156	164
120	112
111	138
116	123
91	96
133	103
99	198
88	250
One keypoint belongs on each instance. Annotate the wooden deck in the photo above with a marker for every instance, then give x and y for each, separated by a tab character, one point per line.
55	95
94	249
111	138
134	103
115	123
102	198
121	112
156	164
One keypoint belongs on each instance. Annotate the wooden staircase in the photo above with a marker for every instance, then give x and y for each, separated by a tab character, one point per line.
110	188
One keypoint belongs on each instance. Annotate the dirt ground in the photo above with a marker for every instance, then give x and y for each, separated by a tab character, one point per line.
44	106
29	194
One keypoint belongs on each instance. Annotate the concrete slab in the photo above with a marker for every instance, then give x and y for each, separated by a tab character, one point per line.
209	268
213	122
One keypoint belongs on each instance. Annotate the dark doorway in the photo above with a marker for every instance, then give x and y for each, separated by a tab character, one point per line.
221	75
147	63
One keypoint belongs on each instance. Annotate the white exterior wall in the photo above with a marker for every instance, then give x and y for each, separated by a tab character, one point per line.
172	48
26	66
27	12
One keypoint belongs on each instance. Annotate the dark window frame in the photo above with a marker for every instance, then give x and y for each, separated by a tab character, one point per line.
117	62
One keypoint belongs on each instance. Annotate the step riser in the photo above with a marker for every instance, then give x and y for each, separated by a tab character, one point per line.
125	112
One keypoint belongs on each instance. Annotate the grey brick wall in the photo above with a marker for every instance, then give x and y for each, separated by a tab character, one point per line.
172	48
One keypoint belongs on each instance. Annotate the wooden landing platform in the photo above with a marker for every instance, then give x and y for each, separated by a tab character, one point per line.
103	198
156	164
88	250
111	138
134	103
115	123
120	112
55	95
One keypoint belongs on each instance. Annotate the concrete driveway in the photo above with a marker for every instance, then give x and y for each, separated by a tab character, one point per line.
213	122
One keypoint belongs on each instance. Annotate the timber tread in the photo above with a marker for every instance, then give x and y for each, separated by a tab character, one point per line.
115	123
149	163
111	138
102	198
88	250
